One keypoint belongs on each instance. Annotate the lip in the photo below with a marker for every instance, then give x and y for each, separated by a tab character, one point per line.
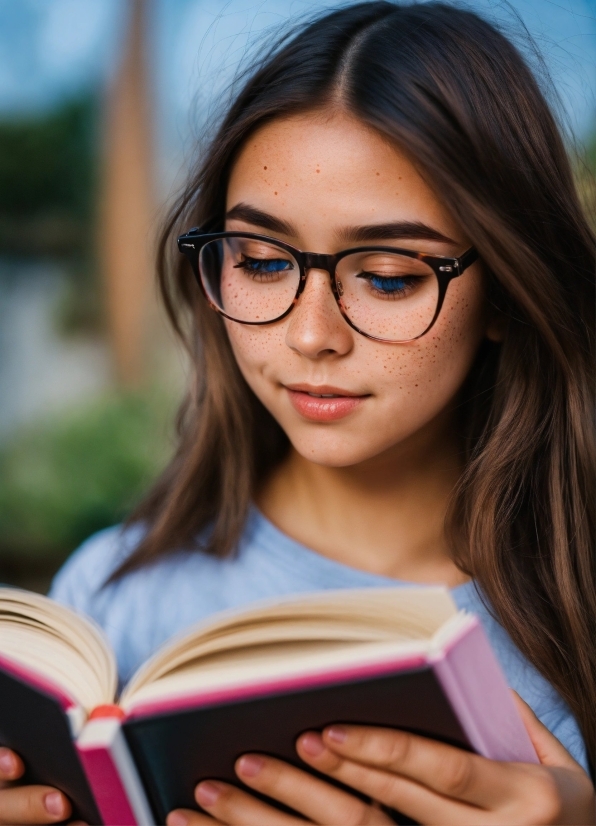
322	389
316	409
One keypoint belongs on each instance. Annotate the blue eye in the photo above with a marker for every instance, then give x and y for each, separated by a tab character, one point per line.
389	285
264	265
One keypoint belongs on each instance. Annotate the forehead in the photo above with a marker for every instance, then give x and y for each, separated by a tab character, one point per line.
334	169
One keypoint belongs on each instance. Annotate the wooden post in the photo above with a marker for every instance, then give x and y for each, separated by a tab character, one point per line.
127	213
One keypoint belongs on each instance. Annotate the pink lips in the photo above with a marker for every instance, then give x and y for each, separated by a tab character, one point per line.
307	402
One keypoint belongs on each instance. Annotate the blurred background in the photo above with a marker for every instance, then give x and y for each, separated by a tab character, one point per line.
101	106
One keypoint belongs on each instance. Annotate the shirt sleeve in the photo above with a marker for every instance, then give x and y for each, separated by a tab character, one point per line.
82	577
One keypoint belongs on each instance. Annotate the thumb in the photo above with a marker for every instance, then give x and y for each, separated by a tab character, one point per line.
11	766
549	750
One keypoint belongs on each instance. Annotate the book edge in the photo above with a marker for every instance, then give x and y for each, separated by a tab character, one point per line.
457	690
52	608
296	683
35	679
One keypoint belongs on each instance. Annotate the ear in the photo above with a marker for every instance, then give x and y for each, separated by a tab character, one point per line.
496	326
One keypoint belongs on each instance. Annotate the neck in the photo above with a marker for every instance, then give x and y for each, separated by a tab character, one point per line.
385	516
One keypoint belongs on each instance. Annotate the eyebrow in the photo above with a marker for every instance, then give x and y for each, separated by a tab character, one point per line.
254	216
393	230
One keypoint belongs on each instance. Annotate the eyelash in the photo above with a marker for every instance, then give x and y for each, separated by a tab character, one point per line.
407	283
265	275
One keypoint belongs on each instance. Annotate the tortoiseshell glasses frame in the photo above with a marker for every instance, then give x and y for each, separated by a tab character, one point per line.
444	268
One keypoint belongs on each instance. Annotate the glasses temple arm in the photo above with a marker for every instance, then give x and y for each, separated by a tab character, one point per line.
466	259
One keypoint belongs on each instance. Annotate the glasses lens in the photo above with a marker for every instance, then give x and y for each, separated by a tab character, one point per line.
387	295
249	280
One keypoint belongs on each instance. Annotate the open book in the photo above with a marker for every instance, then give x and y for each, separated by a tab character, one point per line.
244	680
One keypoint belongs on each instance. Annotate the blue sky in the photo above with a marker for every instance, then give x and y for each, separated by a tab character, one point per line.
52	49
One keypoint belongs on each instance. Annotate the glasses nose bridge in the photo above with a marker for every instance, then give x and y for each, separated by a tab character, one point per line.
320	261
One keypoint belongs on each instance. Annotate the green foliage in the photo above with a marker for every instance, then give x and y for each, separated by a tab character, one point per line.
48	169
46	162
65	479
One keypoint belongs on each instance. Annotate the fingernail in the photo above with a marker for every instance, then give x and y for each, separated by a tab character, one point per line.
54	804
8	764
250	765
208	793
176	819
312	744
337	734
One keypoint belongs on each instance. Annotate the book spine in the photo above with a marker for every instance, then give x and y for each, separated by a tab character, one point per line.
475	686
112	775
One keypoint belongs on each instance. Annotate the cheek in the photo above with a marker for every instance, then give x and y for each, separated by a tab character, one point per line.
433	368
258	350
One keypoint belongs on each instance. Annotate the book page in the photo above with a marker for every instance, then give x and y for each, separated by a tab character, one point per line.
303	623
258	665
63	647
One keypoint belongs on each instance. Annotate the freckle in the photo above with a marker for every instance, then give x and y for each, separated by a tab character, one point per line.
378	173
317	170
275	193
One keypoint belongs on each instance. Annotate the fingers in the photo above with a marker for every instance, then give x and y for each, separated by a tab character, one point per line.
33	804
549	750
444	769
228	804
11	765
409	797
317	800
186	817
28	804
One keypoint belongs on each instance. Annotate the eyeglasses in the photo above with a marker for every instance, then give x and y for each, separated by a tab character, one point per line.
384	293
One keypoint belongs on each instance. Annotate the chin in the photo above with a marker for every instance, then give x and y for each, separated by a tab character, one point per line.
334	452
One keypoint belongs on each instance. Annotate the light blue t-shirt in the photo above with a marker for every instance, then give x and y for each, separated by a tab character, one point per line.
141	611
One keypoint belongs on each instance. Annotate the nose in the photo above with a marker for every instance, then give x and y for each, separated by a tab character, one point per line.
316	327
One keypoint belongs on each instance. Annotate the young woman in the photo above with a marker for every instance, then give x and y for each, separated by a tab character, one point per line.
392	336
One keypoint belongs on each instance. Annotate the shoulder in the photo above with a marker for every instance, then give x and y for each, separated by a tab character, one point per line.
142	609
82	583
89	567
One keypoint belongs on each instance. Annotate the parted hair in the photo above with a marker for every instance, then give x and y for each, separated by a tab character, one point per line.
449	89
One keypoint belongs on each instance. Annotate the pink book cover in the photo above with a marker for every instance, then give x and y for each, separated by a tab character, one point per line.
475	686
108	789
112	775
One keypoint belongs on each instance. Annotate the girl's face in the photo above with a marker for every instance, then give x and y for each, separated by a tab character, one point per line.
320	179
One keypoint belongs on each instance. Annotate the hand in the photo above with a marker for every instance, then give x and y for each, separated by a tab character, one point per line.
27	804
318	801
427	781
434	783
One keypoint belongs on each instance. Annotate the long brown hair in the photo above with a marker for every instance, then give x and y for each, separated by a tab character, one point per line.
453	92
